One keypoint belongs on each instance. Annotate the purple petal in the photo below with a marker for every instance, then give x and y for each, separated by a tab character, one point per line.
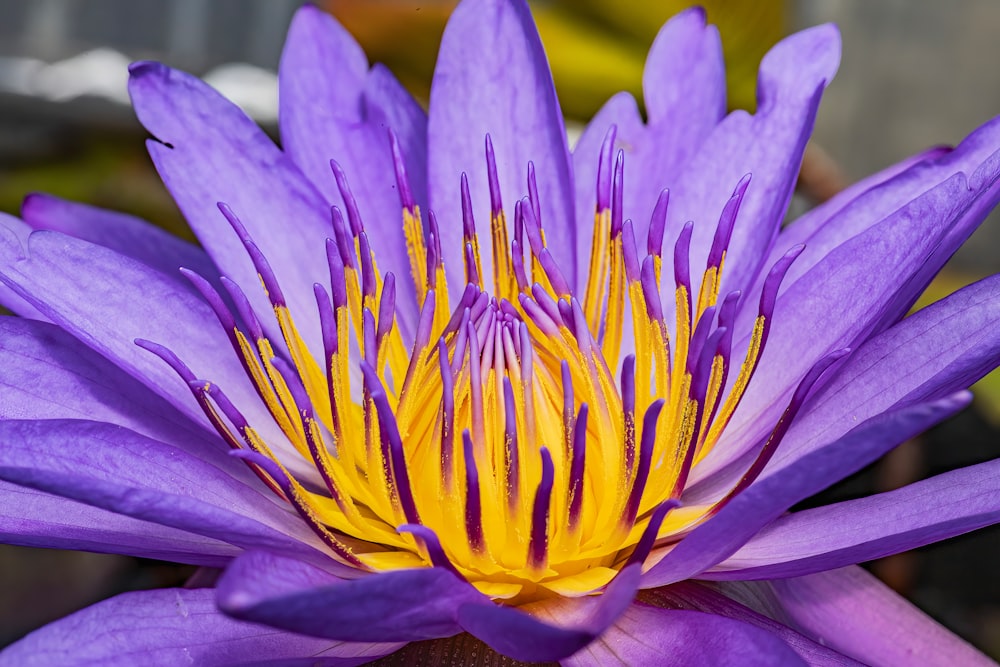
549	632
646	635
854	613
957	204
122	233
856	203
208	151
622	112
861	530
115	469
684	89
939	350
322	74
14	235
492	78
399	605
871	200
705	598
49	374
768	145
684	81
174	627
35	519
108	300
333	108
389	105
773	493
685	96
835	304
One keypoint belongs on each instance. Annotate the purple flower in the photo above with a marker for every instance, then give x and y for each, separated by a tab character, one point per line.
501	390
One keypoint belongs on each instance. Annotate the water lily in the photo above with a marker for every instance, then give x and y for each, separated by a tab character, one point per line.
436	381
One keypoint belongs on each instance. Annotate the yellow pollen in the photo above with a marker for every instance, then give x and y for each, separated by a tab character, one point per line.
457	427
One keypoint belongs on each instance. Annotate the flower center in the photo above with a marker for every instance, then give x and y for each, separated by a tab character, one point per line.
499	443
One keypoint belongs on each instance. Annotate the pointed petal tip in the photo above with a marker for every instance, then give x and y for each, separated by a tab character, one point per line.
34	199
141	68
696	16
809	56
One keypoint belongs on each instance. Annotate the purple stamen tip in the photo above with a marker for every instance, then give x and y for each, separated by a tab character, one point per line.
368	339
724	231
208	293
266	464
628	409
546	302
496	204
510	433
648	539
233	221
256	256
569	405
223	403
327	321
353	214
532	227
727	314
267	276
645	459
475	351
517	255
168	356
657	224
433	261
390	436
432	544
701	332
769	294
402	182
468	297
604	170
447	415
682	256
617	194
368	282
536	203
576	470
582	333
538	546
425	322
566	313
628	384
650	290
538	315
243	307
338	282
473	507
471	272
434	232
345	244
468	217
552	272
629	252
519	223
387	307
